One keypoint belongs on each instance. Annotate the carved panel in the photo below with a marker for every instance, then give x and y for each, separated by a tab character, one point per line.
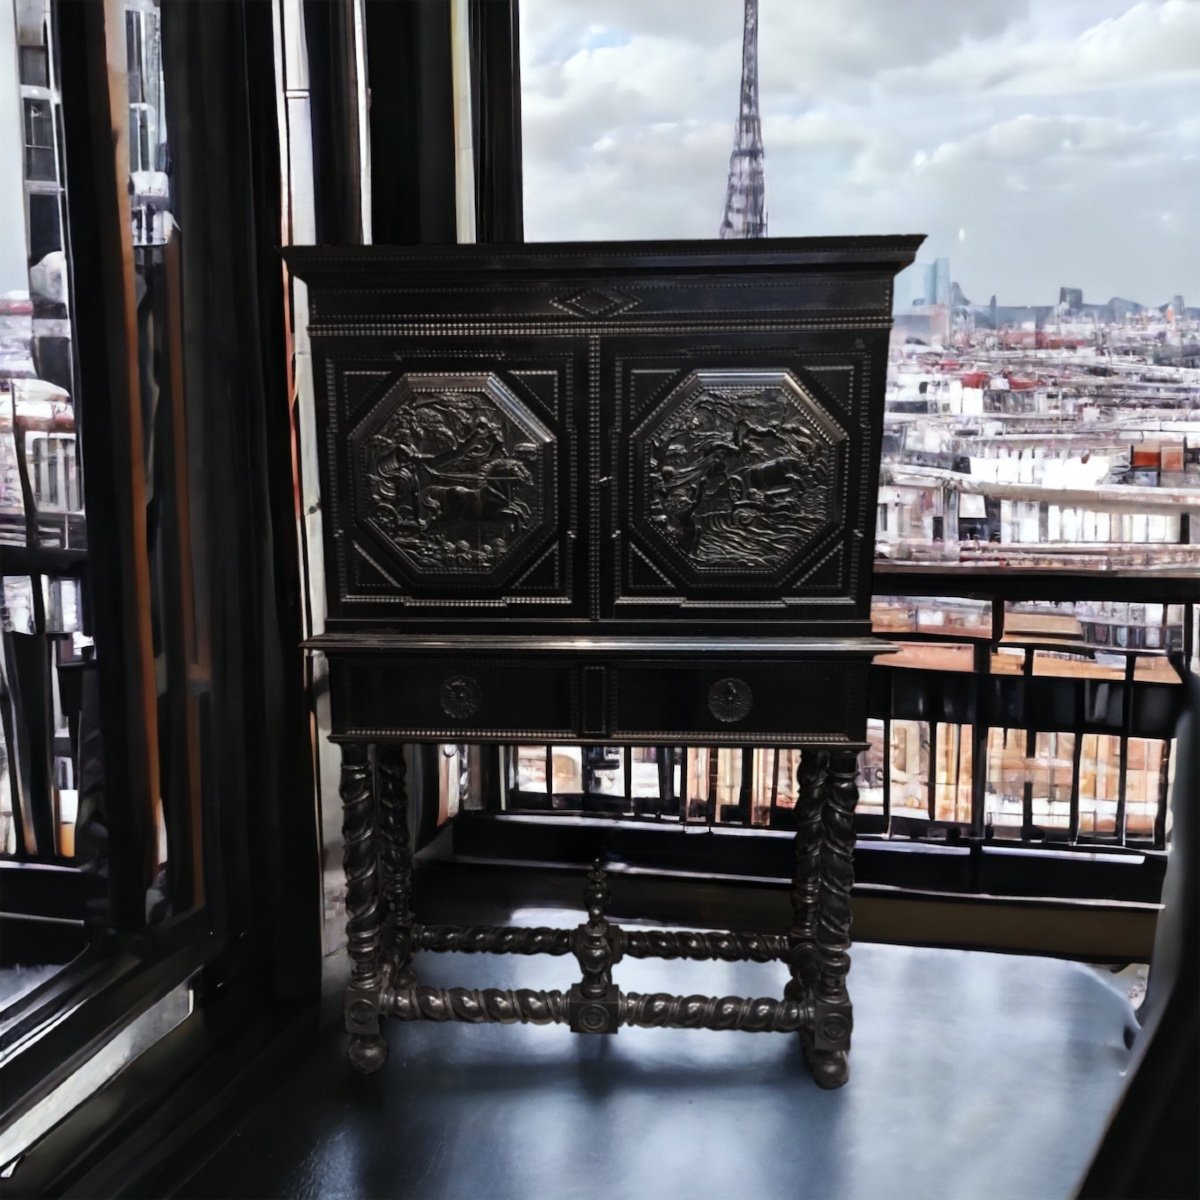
454	475
737	473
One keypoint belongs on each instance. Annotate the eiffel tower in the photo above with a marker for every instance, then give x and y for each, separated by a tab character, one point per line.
745	195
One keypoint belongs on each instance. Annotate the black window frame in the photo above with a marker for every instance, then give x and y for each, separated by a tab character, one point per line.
246	933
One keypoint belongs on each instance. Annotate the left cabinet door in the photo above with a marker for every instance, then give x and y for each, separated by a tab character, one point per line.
450	479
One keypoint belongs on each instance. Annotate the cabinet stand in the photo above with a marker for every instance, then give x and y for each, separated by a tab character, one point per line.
383	933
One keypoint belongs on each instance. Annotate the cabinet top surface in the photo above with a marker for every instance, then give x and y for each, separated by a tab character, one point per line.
582	646
892	253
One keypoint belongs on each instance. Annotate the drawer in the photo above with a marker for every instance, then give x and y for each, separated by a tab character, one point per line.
450	699
704	698
751	702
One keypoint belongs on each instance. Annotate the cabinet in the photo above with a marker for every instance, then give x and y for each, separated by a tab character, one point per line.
600	492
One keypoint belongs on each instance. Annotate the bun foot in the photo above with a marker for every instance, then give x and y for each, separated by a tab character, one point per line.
830	1068
368	1052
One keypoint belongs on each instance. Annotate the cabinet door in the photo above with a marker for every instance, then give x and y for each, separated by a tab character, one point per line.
451	478
743	475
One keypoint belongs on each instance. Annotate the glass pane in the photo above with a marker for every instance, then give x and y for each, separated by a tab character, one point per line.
1145	786
1005	782
567	766
531	768
896	615
699	760
1049	772
952	780
872	764
644	768
910	769
1099	784
607	771
50	768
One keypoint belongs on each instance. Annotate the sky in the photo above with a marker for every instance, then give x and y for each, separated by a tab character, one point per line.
1038	143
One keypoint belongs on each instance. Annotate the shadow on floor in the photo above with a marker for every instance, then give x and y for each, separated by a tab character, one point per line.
972	1075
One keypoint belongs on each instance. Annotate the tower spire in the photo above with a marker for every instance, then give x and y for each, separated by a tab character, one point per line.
745	194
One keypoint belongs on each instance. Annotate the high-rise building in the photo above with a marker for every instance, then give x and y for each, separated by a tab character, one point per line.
937	281
1070	300
149	184
44	194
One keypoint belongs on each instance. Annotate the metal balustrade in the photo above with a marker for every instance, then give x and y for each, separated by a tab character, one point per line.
1011	728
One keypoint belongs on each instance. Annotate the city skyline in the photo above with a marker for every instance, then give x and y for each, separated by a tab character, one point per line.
911	288
1022	138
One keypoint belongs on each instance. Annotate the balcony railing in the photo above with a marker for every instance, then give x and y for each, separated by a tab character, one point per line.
996	723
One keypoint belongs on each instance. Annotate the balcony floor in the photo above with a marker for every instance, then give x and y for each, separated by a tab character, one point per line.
972	1074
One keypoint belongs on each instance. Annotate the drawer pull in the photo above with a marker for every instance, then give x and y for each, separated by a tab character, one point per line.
460	696
730	699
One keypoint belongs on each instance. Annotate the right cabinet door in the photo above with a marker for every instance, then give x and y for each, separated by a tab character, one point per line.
742	471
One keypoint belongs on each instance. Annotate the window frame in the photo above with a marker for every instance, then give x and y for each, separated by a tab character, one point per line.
246	935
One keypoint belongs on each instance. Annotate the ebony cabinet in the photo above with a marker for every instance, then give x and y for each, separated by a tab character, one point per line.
600	492
683	436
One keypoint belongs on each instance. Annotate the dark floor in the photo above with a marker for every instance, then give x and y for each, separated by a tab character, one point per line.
972	1076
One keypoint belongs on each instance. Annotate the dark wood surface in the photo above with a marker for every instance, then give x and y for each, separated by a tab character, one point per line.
577	443
645	691
633	437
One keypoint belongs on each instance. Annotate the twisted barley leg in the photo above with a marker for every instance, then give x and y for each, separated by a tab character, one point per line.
368	1050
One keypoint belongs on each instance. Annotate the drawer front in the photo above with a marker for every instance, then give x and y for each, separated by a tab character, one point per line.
746	702
708	700
454	699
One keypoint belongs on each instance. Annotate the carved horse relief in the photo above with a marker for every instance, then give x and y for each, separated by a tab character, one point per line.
740	472
453	475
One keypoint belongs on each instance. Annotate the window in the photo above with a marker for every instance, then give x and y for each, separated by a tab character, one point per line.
1041	348
35	66
134	867
56	479
1044	374
39	140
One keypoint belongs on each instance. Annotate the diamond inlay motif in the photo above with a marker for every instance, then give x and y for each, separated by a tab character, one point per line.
595	303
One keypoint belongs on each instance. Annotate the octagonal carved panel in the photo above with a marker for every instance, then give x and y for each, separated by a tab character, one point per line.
737	473
454	475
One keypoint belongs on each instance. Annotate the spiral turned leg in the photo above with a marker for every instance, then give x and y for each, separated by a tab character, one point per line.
368	1050
397	860
593	1006
833	1019
811	780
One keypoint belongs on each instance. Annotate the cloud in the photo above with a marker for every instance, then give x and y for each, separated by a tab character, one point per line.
1060	133
1155	43
1039	141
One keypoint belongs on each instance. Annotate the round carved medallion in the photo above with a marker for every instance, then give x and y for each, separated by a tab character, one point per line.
460	696
730	699
362	1012
834	1027
592	1018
